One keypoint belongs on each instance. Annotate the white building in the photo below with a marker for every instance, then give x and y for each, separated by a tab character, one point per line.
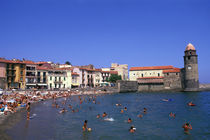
59	78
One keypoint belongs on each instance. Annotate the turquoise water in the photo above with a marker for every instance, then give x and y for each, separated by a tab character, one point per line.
48	124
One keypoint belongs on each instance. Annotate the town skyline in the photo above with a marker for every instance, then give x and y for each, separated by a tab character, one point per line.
137	33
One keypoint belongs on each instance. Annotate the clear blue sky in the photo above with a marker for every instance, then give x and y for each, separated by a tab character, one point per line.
99	32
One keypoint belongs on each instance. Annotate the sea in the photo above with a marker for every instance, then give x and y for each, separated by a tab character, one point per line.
47	123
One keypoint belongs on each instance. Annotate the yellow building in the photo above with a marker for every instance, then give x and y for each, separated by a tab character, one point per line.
15	74
154	71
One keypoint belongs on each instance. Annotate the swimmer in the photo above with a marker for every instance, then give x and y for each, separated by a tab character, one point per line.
118	104
57	106
129	120
140	116
132	129
191	104
98	116
172	114
104	114
63	110
70	106
125	108
145	110
85	126
122	111
187	127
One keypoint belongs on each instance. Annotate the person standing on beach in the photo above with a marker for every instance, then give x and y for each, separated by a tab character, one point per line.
28	109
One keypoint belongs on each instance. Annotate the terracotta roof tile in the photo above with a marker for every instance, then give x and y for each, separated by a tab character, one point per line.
74	73
151	68
172	71
42	68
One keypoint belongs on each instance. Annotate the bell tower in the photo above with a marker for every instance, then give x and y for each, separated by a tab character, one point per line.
191	80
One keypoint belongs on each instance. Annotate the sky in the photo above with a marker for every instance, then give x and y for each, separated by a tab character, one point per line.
100	32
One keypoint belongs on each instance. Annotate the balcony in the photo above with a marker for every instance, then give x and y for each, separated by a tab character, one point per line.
11	74
58	82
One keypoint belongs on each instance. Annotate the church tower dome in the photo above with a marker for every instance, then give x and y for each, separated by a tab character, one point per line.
190	47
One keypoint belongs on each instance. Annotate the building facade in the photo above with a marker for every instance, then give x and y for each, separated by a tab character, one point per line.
15	72
30	74
3	78
42	77
121	69
59	78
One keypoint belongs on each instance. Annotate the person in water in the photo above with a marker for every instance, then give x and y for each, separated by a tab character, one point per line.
172	114
98	116
140	116
122	111
28	109
145	111
191	104
132	129
125	109
104	114
187	127
63	110
129	120
85	126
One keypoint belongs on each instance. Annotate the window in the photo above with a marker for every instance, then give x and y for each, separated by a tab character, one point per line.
55	85
189	57
167	73
64	86
176	73
44	73
59	85
55	78
50	85
50	77
142	75
21	72
158	74
134	74
64	78
38	74
21	79
59	78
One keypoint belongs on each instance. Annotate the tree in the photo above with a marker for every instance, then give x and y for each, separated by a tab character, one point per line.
114	77
68	63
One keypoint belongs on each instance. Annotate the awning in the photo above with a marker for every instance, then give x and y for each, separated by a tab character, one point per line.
42	84
30	84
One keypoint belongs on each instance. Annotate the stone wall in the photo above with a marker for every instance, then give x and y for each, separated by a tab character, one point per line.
150	87
127	86
172	80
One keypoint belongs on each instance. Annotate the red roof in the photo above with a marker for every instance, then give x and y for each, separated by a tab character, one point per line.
151	68
11	61
160	77
74	73
41	63
41	68
105	71
172	71
113	72
29	62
